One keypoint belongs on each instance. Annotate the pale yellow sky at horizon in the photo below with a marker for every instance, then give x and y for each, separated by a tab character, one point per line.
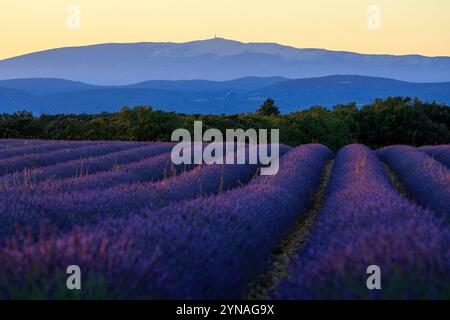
406	26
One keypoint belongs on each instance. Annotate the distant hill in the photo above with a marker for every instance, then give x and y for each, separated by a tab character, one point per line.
54	96
242	84
332	90
214	59
44	85
12	99
51	96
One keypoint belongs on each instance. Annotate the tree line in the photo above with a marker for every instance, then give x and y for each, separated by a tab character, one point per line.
395	120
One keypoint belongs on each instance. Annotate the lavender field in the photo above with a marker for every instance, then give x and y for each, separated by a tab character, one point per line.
140	227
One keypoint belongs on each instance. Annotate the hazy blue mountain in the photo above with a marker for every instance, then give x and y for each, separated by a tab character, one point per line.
242	84
42	86
42	95
12	100
197	96
332	90
45	85
214	59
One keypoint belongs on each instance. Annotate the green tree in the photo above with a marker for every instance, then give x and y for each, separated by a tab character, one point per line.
318	125
21	124
394	120
268	108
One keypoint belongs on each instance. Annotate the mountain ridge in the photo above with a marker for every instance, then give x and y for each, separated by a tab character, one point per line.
214	59
211	97
312	49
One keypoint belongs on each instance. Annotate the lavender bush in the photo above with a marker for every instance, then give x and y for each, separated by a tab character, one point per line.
7	144
205	248
86	166
141	227
364	222
40	148
147	170
440	153
65	210
425	179
31	161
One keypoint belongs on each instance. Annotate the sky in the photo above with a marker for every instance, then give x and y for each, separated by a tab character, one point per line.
376	26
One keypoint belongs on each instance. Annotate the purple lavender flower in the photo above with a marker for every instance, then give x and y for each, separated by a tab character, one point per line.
31	206
31	161
8	144
141	227
425	179
86	166
210	247
364	222
41	148
440	153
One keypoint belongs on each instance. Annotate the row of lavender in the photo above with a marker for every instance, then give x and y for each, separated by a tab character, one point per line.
53	153
366	222
136	222
426	180
440	153
111	193
79	160
207	247
123	191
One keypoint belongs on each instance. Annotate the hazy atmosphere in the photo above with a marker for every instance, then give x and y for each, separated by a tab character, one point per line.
247	151
406	26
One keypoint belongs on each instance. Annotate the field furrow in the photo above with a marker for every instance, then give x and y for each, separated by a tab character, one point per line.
141	223
8	144
150	169
287	250
66	210
41	148
425	179
366	222
208	247
83	167
440	153
33	161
